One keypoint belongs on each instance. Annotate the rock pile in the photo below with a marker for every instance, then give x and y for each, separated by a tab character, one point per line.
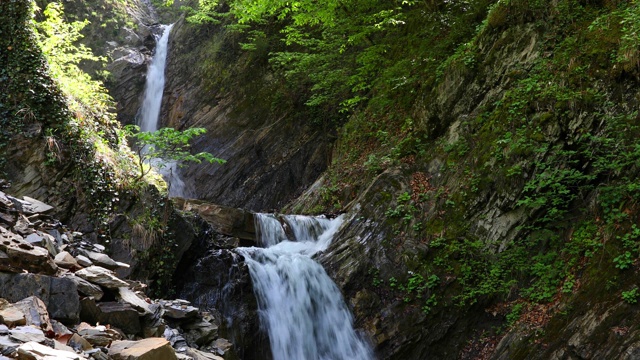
60	299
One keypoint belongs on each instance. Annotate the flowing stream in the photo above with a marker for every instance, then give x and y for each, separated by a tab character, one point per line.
300	306
150	111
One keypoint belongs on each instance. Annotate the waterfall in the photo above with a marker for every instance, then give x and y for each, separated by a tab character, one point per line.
300	306
150	111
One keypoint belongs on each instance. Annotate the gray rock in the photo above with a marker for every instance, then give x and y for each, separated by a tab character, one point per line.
21	254
100	259
200	332
85	287
83	260
131	298
8	346
97	336
4	330
101	276
222	344
201	355
33	350
36	206
35	312
151	348
176	310
65	260
59	329
26	334
121	316
11	315
35	239
78	343
60	295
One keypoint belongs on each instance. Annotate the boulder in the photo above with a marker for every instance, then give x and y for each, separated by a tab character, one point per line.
200	332
10	315
8	346
78	343
101	276
129	297
223	345
66	261
119	315
83	260
60	295
225	220
34	351
201	355
27	333
35	312
178	309
21	254
147	349
97	335
85	287
35	206
100	259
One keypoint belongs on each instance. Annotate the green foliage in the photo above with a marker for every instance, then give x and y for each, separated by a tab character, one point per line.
58	40
167	144
631	296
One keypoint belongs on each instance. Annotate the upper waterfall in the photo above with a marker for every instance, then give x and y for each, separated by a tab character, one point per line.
149	115
300	306
154	87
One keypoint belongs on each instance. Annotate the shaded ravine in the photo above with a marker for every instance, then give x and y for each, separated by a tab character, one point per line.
300	307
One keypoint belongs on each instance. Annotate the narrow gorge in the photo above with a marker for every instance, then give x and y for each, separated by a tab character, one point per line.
394	181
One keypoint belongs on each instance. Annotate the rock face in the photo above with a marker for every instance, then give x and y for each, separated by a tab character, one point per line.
59	294
272	155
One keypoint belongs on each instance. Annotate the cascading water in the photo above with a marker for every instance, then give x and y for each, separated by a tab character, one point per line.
300	306
150	110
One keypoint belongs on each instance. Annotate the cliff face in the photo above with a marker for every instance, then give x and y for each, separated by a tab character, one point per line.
272	153
497	219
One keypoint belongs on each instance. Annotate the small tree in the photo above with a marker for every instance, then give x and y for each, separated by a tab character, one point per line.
167	144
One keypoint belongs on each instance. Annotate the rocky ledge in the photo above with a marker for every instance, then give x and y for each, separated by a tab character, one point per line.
61	299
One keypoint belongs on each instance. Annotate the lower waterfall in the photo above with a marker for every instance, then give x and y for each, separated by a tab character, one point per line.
300	306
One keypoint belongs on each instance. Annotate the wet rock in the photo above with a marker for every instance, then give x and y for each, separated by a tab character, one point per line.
66	261
85	287
119	315
223	219
200	332
60	295
101	276
151	348
223	345
35	312
11	315
26	334
35	351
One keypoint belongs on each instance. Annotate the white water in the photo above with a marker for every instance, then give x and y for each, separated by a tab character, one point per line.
300	306
154	87
150	111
